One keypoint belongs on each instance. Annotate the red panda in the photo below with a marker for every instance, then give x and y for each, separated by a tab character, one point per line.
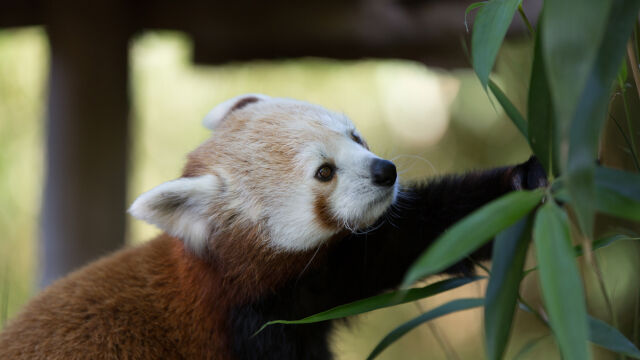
282	213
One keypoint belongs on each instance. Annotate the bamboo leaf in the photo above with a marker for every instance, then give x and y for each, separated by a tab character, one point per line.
489	28
380	301
469	9
601	334
602	243
540	111
509	252
581	190
617	193
448	308
622	75
623	182
596	245
509	109
605	335
613	203
529	346
560	281
590	114
609	201
471	232
572	34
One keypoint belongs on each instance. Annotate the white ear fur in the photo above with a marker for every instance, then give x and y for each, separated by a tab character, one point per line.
181	208
215	116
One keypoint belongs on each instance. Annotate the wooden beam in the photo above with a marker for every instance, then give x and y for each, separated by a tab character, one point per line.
83	215
430	31
15	13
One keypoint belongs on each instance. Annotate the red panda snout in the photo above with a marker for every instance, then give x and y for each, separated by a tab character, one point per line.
383	172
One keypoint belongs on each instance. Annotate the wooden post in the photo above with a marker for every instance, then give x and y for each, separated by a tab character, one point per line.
83	214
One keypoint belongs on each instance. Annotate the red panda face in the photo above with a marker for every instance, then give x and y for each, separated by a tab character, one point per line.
297	172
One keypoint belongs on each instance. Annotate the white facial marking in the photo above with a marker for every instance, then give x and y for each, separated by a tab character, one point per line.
357	201
268	154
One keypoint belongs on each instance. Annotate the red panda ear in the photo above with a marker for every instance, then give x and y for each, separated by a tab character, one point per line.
215	116
181	208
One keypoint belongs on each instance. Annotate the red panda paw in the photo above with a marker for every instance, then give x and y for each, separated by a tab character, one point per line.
528	175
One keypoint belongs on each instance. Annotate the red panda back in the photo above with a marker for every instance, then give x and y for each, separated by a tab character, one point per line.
153	301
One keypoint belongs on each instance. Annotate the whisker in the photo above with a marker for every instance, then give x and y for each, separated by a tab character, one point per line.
309	262
369	229
388	217
415	157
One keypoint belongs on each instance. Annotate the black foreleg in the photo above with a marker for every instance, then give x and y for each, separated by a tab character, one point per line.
377	260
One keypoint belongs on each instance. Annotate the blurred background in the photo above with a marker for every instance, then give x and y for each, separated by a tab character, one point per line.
127	122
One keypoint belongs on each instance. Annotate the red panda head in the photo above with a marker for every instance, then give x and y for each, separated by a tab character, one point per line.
293	172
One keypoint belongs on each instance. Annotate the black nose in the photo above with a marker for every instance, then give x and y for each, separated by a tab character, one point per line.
383	172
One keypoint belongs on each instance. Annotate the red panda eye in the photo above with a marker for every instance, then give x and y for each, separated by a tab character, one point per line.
325	173
356	138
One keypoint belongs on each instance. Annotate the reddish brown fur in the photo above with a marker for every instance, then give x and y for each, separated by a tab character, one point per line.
160	301
155	301
251	266
323	212
237	135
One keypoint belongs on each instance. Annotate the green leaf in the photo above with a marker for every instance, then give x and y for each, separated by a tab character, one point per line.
540	111
472	232
560	281
509	108
448	308
596	245
529	346
509	252
601	334
609	201
613	203
623	182
470	8
602	243
588	119
380	301
581	190
617	192
489	28
605	335
622	75
573	32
